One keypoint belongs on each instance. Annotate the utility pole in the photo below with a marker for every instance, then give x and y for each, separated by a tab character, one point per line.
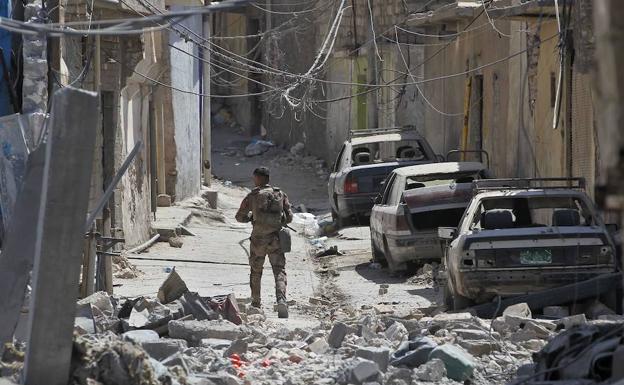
205	105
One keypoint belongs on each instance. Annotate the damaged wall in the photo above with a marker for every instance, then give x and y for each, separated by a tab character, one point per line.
184	130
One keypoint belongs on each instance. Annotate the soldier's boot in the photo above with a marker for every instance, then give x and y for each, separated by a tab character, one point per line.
282	309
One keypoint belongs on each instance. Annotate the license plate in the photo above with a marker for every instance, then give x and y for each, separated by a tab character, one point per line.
536	257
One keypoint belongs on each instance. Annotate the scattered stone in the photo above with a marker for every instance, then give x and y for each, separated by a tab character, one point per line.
177	359
573	320
237	347
320	346
297	149
413	353
364	370
556	311
396	333
252	310
472	334
221	378
338	333
101	300
432	371
319	301
478	347
215	343
164	347
140	336
195	331
176	242
383	308
459	364
381	356
518	310
533	345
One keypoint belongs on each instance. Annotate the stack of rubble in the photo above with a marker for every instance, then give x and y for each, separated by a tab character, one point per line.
183	338
297	157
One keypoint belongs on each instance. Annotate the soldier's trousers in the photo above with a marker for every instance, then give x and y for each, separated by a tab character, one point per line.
261	246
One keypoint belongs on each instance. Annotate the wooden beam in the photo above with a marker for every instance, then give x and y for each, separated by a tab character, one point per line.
60	235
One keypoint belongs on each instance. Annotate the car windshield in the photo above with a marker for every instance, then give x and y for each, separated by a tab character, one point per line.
417	181
539	211
387	151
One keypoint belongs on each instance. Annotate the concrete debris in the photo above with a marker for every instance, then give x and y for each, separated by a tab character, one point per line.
413	353
432	371
364	371
258	147
297	149
123	268
164	347
176	242
380	356
140	336
396	333
459	364
320	346
337	334
518	310
195	331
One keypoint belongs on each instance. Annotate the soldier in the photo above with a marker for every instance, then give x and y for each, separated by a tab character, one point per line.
268	209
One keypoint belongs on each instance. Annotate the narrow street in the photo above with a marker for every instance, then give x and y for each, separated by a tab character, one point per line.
346	280
312	192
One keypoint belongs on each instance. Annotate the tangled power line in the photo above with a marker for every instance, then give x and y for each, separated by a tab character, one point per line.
278	86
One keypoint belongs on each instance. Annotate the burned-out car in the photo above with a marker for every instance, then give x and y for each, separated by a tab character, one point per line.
416	201
364	162
523	236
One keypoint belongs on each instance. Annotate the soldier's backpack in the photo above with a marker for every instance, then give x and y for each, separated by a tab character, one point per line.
270	207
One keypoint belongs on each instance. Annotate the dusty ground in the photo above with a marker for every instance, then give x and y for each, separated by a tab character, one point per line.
215	261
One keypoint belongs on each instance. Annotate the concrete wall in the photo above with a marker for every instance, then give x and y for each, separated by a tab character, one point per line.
134	120
185	107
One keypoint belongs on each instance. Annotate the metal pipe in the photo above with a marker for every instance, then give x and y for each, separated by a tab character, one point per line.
145	245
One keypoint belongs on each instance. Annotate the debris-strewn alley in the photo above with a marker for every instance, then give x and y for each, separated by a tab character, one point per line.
287	192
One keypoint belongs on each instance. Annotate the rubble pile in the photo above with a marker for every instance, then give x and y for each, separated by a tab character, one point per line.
424	276
296	157
187	341
180	337
123	268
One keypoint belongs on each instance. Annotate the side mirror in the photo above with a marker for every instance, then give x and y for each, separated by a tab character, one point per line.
447	232
612	228
378	199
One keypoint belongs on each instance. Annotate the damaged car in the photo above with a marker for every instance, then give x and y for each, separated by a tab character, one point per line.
364	162
523	236
416	200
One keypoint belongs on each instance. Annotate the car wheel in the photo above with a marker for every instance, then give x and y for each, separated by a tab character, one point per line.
460	302
448	297
394	267
337	220
454	301
378	256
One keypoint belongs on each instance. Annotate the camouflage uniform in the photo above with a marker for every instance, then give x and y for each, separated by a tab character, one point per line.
265	237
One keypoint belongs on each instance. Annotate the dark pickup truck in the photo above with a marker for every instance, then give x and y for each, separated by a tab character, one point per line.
363	164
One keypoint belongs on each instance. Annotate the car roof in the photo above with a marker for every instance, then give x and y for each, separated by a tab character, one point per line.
439	168
409	135
504	193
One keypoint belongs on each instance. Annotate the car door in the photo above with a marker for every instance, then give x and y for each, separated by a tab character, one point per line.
331	184
376	219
